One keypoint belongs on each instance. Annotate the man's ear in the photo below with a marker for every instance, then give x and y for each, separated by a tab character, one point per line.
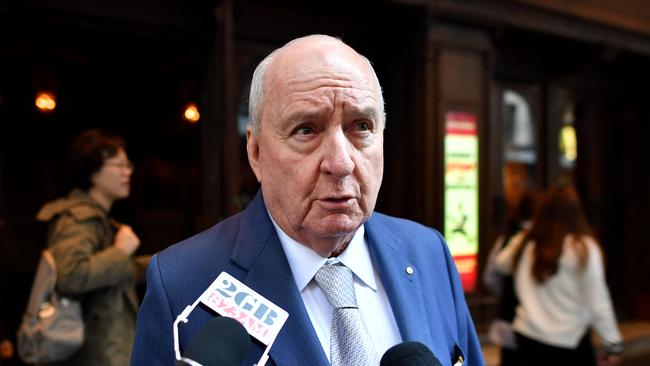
253	150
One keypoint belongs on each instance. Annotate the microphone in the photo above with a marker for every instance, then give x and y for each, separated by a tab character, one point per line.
409	354
223	341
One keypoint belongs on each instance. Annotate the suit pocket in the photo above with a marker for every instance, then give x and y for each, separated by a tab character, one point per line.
457	356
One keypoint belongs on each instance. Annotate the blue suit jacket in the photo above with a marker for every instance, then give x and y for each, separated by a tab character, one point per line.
429	304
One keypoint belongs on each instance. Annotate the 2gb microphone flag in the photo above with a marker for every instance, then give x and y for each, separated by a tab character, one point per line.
229	297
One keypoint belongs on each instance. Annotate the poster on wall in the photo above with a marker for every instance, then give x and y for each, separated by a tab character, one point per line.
461	193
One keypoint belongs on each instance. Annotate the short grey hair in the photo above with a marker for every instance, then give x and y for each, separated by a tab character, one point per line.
258	88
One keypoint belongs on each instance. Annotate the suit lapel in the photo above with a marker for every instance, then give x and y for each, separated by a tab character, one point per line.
403	289
258	251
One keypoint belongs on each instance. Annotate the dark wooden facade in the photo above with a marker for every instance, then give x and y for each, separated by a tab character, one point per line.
132	66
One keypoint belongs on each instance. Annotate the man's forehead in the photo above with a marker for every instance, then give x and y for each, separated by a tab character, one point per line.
321	53
319	93
305	110
316	66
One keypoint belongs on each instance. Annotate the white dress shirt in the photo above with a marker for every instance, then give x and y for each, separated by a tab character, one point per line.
372	300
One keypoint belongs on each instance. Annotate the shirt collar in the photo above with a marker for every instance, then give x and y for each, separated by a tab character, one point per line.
305	262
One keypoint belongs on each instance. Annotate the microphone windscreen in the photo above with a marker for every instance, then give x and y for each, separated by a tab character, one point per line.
221	342
409	353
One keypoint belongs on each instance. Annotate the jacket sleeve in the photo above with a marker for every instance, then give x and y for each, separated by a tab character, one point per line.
154	343
467	336
141	262
80	267
491	276
599	300
503	260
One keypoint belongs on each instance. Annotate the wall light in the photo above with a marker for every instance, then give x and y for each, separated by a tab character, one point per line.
45	101
191	113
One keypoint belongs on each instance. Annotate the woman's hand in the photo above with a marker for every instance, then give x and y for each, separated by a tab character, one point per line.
609	360
126	240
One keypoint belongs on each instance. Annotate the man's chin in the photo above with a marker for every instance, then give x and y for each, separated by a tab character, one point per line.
337	225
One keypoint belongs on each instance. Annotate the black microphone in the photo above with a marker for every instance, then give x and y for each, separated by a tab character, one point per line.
221	342
409	354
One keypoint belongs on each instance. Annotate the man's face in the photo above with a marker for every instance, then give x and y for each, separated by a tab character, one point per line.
319	153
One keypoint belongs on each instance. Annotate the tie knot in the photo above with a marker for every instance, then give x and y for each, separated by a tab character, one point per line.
336	282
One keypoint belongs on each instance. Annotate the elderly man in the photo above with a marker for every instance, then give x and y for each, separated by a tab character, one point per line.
315	143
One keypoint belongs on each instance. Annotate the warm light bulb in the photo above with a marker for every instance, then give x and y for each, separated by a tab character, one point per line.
45	102
192	114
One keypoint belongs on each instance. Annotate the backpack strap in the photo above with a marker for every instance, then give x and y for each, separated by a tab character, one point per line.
43	285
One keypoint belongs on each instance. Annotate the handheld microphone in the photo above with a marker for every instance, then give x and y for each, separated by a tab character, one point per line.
409	354
223	341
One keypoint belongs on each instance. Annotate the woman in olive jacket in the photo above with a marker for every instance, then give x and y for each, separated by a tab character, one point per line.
93	253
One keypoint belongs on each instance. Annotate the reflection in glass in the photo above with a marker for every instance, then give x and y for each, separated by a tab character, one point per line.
519	148
568	143
519	132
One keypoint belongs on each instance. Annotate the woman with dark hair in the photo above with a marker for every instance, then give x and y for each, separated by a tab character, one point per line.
560	284
93	253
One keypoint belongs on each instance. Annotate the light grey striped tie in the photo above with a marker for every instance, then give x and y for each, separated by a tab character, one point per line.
350	344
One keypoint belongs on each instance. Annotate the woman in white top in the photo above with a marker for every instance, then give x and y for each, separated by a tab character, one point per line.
559	280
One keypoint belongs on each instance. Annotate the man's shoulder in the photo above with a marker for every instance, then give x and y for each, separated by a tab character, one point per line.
185	269
402	227
413	238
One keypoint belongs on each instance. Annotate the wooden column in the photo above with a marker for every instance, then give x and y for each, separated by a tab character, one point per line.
457	71
218	126
458	75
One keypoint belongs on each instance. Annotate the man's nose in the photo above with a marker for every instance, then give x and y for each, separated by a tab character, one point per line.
336	152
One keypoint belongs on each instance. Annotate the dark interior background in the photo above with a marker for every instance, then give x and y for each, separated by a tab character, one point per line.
132	67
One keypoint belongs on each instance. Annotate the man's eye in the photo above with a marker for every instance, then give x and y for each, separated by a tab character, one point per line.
304	130
363	126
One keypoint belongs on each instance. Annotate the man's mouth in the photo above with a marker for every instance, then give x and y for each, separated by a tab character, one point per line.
338	199
337	203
